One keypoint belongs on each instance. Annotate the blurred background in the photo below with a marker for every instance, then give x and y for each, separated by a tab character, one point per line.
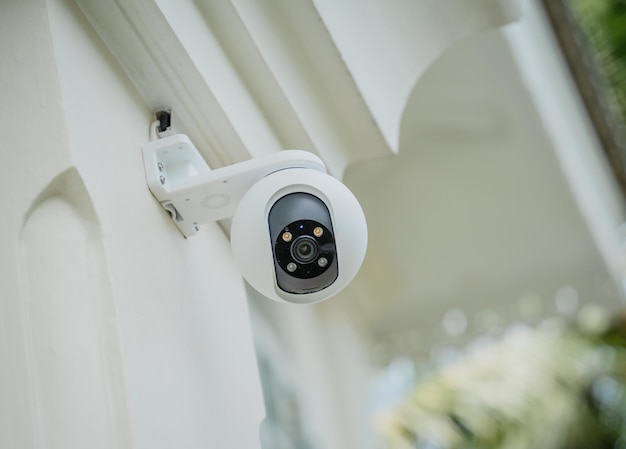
487	313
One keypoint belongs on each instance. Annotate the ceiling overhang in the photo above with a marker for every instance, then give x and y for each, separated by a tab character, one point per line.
247	78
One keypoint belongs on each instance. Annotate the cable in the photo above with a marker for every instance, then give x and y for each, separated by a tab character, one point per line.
153	130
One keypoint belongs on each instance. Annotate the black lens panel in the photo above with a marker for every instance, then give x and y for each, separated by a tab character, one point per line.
305	249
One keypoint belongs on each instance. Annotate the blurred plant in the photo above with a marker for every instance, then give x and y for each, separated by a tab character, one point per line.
563	388
603	23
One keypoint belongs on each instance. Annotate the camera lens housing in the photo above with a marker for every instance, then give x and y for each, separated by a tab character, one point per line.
304	249
305	254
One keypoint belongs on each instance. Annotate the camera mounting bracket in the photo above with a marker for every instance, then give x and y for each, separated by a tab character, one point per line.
193	194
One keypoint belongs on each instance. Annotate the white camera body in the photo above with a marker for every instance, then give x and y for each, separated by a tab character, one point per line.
298	235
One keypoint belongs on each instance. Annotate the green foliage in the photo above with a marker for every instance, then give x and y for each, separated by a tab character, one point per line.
603	23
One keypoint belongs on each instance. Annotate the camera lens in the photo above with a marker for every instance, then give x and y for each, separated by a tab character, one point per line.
304	249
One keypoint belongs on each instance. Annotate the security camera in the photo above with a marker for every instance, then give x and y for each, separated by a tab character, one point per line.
298	235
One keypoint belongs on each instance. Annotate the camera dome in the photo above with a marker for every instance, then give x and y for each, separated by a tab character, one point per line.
324	249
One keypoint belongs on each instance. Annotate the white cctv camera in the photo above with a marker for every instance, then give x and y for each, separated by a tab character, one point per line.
297	234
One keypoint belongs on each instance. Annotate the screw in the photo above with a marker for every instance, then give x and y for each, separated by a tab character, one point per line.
160	166
162	178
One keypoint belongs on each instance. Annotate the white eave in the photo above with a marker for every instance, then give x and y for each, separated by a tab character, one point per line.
246	78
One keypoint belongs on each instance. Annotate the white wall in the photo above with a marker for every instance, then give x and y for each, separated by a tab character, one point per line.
114	330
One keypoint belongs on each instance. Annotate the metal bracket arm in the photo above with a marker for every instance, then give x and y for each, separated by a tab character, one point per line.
193	194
